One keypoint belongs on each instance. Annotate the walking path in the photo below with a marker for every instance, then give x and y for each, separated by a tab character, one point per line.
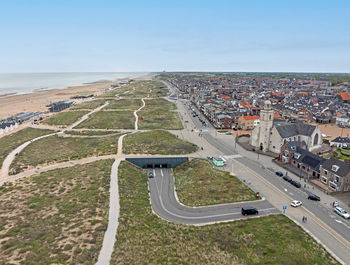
135	113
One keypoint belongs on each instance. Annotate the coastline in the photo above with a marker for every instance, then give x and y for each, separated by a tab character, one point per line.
37	101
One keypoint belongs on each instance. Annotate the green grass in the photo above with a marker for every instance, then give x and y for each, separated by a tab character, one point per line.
131	104
159	114
90	105
90	133
144	238
123	119
139	89
342	154
10	142
54	149
156	142
57	217
198	183
65	118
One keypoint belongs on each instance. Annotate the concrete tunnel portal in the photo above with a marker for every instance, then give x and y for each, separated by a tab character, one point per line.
157	162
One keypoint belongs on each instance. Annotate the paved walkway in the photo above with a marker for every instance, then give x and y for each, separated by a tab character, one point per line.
135	113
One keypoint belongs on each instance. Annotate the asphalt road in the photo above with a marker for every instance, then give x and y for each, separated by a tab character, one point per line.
165	204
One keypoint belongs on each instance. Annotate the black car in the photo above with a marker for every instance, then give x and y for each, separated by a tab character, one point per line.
249	210
279	173
150	174
313	197
287	178
295	183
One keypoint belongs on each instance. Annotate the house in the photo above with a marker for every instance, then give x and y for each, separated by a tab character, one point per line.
336	174
340	142
343	97
224	121
7	126
60	105
307	162
342	121
288	149
247	122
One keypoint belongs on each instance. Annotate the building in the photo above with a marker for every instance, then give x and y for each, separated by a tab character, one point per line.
60	105
270	135
7	126
247	122
336	174
341	142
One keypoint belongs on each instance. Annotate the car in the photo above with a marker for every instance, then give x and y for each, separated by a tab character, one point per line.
150	174
287	178
313	197
296	203
279	173
228	133
249	210
342	212
295	183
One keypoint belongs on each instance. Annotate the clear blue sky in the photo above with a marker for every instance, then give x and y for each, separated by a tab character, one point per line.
101	35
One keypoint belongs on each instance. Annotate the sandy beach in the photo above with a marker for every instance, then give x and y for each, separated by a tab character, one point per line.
37	101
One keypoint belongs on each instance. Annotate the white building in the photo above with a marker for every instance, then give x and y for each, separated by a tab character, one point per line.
270	135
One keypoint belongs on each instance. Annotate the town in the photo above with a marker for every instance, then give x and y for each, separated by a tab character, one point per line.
305	127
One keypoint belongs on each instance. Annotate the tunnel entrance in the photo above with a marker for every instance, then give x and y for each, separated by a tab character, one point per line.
157	162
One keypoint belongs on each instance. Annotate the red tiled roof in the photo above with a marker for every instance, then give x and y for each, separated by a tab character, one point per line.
344	95
248	117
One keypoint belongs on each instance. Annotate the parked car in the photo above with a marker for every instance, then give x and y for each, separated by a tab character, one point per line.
287	178
296	203
150	174
228	133
295	183
313	197
279	173
249	210
342	212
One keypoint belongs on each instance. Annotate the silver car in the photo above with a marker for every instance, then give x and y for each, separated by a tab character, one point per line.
342	212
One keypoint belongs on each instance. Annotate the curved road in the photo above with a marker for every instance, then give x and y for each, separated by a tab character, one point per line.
165	204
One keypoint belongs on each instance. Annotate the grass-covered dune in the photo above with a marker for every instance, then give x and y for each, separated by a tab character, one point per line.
156	142
144	238
57	217
198	183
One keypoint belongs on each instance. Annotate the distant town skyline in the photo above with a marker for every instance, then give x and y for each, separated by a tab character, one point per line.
137	36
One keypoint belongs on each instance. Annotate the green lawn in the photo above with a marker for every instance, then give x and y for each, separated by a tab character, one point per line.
144	238
65	118
54	149
90	105
57	217
159	114
198	183
156	142
131	104
139	89
342	154
123	119
10	142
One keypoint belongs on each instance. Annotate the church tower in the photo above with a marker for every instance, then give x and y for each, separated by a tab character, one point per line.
266	124
260	137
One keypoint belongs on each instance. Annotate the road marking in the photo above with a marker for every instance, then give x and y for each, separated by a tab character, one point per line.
161	171
330	230
197	217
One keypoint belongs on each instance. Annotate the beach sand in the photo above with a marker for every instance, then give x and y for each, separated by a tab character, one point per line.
37	101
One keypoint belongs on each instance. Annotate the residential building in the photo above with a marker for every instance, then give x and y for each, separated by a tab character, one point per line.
335	174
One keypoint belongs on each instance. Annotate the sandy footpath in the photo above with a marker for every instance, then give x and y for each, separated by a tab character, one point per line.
37	101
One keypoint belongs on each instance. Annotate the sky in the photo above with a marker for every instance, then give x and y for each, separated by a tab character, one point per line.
145	36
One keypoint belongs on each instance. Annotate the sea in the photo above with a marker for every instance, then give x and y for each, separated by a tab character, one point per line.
25	83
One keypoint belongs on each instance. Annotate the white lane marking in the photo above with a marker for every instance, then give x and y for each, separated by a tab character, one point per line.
161	171
196	217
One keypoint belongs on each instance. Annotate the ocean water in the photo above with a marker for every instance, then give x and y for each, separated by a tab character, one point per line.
24	83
